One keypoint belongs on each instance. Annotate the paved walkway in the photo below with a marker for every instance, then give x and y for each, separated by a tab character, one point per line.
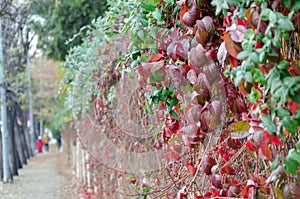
46	176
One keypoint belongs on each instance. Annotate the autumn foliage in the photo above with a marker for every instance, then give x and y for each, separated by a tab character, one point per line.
225	74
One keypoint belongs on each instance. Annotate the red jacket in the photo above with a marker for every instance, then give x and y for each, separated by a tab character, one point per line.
39	146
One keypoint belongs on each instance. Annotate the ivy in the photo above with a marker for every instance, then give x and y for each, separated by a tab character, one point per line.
180	57
164	95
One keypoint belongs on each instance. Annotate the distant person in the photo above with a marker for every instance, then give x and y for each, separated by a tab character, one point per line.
39	144
46	140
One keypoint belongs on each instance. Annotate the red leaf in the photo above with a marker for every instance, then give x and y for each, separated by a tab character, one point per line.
232	47
216	181
266	149
222	54
253	17
251	146
233	191
192	76
202	29
246	194
207	163
178	49
211	72
199	57
241	22
237	105
190	130
275	140
258	45
188	16
133	181
190	168
156	57
192	113
233	61
211	115
245	90
176	73
173	153
145	69
237	33
293	107
202	87
228	169
235	143
172	123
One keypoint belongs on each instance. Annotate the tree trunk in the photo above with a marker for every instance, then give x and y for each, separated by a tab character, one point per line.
19	145
27	136
12	156
1	159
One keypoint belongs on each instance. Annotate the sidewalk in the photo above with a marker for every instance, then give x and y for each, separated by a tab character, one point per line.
46	176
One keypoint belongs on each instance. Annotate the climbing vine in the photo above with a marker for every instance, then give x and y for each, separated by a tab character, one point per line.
226	76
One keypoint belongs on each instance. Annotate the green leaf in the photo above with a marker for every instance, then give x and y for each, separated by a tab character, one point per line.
171	2
272	17
174	115
285	24
259	76
148	109
156	14
297	116
296	6
289	82
147	6
281	94
282	112
243	55
262	57
254	57
265	14
287	3
160	22
144	22
254	95
294	155
153	32
162	97
249	77
239	126
269	125
275	164
141	34
273	76
166	92
275	85
173	102
290	166
296	98
249	34
290	124
218	4
283	64
134	63
298	145
155	100
239	77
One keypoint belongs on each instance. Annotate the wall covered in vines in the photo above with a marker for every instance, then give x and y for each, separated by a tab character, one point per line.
194	99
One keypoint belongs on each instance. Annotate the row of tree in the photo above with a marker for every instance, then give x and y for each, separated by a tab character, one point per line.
15	36
27	28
